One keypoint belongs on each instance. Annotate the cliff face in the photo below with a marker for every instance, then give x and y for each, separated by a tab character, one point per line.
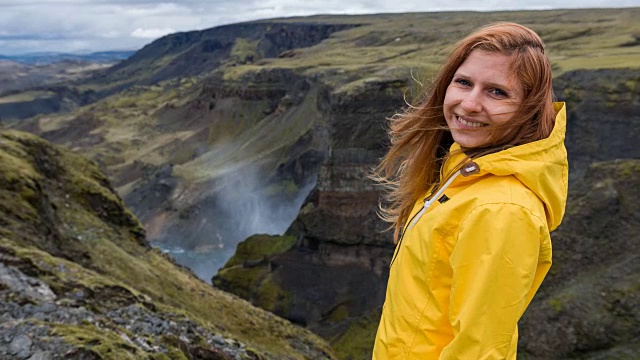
78	279
336	270
254	154
589	305
602	116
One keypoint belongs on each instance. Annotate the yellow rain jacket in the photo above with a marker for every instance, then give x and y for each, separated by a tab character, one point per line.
471	259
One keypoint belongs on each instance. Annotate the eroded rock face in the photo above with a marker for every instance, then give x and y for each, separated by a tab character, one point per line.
602	116
335	274
589	305
258	146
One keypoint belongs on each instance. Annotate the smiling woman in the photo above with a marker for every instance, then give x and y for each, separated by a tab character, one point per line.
478	178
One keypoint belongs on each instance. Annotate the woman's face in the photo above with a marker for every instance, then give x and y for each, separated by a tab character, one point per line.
481	98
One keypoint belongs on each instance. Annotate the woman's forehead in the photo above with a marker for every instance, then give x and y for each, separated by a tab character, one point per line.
494	67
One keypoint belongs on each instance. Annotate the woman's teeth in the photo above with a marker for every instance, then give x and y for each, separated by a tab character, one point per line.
469	123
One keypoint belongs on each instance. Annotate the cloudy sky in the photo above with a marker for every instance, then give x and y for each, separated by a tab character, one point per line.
96	25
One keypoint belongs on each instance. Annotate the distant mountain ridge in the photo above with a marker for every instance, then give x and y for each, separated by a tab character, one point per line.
42	58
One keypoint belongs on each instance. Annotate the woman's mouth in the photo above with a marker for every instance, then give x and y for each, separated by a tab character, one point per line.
467	123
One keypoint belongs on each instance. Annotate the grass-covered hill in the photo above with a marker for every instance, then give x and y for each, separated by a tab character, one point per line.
79	281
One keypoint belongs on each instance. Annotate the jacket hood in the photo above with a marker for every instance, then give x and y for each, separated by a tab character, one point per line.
541	166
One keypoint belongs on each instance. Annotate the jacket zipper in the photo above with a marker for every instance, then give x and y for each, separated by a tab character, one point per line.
428	201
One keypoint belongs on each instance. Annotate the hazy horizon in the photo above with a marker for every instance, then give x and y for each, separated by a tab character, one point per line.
118	25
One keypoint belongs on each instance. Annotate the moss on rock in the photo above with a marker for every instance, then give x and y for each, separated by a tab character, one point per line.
272	297
357	341
258	247
248	273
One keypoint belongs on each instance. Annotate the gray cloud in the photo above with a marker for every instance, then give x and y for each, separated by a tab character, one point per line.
96	25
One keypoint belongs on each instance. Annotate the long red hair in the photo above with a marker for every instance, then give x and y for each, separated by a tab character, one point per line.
420	138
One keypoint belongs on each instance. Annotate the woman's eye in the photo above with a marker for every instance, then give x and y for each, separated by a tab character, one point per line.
498	92
462	82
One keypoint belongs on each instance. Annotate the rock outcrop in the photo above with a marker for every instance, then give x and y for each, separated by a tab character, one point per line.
603	116
589	305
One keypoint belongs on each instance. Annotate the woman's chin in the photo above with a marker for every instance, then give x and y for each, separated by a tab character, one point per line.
470	139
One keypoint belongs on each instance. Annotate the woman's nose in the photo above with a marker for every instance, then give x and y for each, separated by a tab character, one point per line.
471	102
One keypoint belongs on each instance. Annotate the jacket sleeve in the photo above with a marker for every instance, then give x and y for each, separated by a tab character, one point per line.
493	265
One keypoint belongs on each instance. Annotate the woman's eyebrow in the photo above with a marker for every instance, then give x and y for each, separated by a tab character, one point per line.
505	87
491	84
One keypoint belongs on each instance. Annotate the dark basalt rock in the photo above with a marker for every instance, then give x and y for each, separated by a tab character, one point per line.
602	116
589	304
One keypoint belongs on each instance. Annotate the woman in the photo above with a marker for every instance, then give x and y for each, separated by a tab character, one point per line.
477	178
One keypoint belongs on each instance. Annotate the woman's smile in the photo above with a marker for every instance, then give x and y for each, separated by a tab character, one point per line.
469	123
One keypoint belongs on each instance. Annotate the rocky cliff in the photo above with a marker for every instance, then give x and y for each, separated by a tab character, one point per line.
589	305
78	279
333	274
602	116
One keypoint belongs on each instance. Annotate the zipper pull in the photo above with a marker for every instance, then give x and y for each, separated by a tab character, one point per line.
426	205
471	170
